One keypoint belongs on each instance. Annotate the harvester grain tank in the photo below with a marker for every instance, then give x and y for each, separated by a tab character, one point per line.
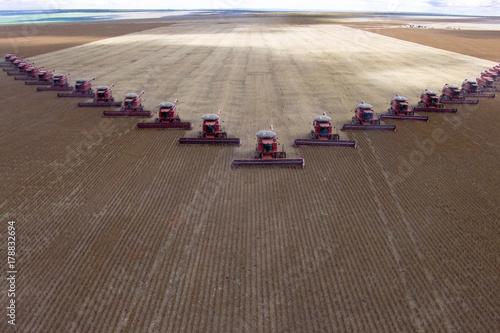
131	107
59	83
82	89
212	133
323	135
167	118
451	94
429	102
43	78
267	153
103	97
470	89
364	119
399	110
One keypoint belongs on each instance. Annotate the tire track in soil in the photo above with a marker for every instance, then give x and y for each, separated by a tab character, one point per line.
63	242
438	297
391	235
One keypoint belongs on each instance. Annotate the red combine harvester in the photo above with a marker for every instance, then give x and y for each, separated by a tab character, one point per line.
13	64
268	154
429	102
102	97
19	68
167	118
31	73
24	70
43	78
399	110
212	133
59	83
83	88
323	135
469	89
364	119
131	107
451	94
490	73
9	59
485	84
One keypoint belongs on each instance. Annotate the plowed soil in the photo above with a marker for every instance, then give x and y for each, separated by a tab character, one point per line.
121	229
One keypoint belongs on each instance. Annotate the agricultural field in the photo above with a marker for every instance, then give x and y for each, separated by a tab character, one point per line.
121	229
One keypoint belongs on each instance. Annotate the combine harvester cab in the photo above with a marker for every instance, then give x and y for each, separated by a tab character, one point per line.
268	154
212	133
364	119
43	78
102	97
451	94
59	83
82	89
470	89
131	107
399	110
323	135
167	118
429	102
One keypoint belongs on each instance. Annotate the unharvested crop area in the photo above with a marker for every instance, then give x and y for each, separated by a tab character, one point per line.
122	229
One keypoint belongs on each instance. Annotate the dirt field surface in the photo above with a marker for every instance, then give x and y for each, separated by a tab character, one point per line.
121	229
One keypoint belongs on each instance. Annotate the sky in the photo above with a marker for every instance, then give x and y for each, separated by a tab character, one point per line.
458	7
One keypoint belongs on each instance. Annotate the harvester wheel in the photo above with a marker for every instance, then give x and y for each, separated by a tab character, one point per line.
95	100
112	99
355	121
376	122
445	98
421	105
333	137
391	112
480	87
411	113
